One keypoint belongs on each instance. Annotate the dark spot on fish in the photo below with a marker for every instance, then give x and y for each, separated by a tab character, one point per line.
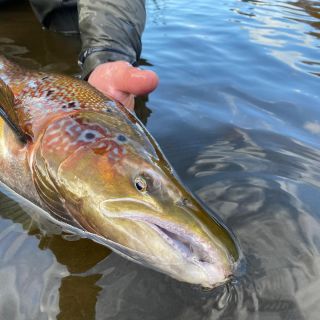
72	104
64	106
122	138
90	136
50	92
45	78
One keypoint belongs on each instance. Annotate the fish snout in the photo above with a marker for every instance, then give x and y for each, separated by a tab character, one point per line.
178	242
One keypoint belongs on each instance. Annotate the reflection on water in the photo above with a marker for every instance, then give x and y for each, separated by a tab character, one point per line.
237	115
270	196
22	37
289	30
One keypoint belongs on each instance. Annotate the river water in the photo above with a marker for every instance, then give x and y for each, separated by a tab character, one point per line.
237	114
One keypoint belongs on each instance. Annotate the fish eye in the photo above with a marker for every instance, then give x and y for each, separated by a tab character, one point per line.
147	182
140	184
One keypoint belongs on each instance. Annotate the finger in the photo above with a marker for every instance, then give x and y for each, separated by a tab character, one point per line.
135	81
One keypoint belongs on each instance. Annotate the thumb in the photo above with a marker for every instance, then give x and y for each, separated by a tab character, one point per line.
134	81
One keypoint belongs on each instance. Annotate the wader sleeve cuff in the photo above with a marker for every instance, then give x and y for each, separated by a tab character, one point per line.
90	58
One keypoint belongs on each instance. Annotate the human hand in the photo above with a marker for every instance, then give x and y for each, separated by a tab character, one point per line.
121	81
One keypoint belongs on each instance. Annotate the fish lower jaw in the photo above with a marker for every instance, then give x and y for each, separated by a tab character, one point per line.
198	262
200	265
206	276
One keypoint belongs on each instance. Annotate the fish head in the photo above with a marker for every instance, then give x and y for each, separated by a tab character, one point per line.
121	188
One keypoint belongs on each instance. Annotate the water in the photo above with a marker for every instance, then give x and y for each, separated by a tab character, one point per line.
237	114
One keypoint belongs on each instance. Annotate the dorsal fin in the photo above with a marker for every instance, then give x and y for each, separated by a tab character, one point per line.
7	111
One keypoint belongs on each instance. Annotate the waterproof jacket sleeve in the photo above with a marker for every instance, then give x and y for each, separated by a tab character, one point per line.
110	30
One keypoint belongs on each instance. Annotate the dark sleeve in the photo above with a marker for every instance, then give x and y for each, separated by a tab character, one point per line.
57	15
110	30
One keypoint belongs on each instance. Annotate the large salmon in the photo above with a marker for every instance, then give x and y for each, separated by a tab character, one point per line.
93	167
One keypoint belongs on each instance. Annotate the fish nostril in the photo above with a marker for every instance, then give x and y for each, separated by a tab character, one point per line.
183	202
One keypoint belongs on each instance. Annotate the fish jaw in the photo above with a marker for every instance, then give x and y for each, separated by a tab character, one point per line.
172	247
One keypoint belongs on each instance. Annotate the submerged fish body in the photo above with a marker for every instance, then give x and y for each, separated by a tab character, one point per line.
91	165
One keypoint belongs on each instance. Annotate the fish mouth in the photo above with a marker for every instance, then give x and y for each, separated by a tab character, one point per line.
193	251
190	247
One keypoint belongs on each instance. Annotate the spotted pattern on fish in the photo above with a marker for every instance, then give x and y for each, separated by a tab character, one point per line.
68	97
67	93
68	134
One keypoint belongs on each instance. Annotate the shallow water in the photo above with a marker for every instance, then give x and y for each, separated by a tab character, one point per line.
237	114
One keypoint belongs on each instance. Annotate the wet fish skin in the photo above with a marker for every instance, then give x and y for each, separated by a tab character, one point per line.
92	165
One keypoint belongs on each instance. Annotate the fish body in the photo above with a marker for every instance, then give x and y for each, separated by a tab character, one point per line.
88	162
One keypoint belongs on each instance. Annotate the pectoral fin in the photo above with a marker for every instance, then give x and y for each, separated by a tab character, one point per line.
7	111
49	193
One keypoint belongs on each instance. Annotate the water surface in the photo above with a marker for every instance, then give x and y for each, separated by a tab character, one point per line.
237	114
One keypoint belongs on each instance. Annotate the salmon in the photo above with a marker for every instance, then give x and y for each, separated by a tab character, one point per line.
92	166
